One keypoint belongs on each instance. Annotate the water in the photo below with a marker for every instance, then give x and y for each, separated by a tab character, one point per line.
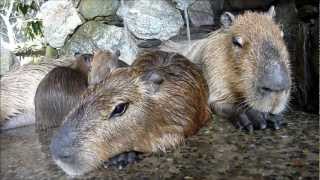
218	151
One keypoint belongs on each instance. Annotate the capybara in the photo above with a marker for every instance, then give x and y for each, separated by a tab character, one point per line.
59	91
102	64
151	106
246	65
18	88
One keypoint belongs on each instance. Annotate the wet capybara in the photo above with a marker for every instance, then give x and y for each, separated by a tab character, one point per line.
151	106
246	65
18	88
59	91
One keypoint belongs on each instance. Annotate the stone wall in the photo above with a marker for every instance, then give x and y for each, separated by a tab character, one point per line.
83	25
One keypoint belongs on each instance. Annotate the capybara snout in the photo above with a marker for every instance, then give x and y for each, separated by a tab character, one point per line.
149	107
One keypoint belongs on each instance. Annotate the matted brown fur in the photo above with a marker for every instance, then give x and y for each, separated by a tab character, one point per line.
165	99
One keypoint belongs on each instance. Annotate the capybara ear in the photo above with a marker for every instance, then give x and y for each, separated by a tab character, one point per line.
227	19
154	79
271	12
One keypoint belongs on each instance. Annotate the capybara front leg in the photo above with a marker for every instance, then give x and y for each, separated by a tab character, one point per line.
122	160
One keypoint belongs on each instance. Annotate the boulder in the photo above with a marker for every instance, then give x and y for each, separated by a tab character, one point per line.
151	19
60	19
94	34
97	8
201	13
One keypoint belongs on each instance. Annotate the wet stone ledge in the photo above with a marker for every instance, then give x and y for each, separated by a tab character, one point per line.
217	152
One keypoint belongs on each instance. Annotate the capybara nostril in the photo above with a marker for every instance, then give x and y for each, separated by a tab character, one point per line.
275	78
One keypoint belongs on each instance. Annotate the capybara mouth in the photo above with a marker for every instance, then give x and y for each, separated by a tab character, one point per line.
270	102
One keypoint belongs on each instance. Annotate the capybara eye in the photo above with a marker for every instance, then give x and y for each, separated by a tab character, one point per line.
119	110
237	41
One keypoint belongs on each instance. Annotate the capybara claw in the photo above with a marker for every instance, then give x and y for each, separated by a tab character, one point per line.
275	121
257	118
123	160
243	122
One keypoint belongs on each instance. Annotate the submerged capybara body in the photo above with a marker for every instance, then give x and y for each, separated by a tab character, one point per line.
148	107
18	88
60	90
246	65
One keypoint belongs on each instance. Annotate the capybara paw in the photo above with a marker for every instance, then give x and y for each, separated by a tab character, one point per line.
251	120
275	121
122	160
242	122
257	118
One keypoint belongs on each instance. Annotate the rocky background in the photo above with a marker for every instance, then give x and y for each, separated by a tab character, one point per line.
72	26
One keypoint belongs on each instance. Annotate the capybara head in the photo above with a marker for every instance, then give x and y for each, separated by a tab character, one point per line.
258	55
102	63
82	63
149	107
59	91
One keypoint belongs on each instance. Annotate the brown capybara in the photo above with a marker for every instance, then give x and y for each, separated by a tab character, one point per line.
151	106
60	90
246	65
102	64
18	88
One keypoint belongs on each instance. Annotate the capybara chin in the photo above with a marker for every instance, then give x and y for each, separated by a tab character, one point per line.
17	91
246	65
149	107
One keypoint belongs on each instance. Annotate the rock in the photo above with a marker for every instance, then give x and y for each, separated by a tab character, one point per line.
60	19
94	34
200	13
182	4
94	8
149	43
237	5
151	19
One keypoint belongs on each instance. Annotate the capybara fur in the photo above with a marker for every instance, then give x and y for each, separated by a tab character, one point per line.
151	106
102	64
59	91
18	88
246	65
61	88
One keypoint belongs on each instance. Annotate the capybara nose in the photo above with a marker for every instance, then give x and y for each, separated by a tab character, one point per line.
274	78
61	146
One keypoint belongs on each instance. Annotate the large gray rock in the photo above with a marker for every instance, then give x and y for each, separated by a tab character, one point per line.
151	19
200	13
93	8
93	35
60	19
